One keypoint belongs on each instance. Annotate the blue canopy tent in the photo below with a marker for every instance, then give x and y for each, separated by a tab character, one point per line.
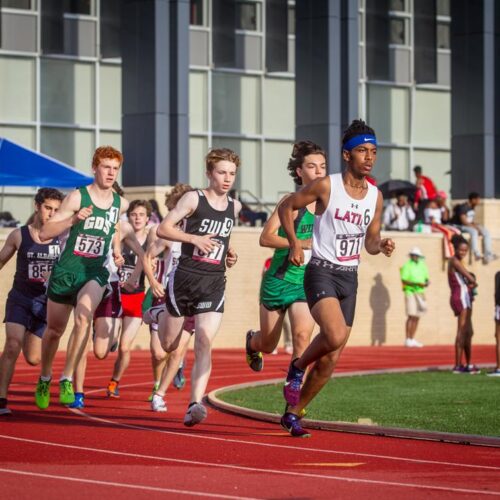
20	166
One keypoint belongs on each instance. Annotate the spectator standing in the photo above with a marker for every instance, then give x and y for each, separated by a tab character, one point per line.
398	216
426	190
463	218
415	278
496	371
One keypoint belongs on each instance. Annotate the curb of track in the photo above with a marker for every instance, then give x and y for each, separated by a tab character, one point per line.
375	430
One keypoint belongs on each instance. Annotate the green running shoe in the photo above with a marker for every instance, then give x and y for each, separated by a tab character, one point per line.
42	394
155	388
66	394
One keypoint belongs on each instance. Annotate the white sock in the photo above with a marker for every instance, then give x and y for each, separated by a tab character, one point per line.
63	378
45	378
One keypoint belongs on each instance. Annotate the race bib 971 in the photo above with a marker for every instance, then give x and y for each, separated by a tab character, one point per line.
88	245
348	246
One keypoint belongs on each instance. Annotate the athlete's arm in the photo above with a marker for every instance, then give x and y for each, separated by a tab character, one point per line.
185	207
117	247
318	191
123	205
129	238
69	214
459	267
12	244
374	244
154	249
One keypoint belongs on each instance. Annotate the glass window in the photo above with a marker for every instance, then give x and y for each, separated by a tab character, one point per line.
443	36
235	104
78	7
110	99
443	8
198	101
17	89
197	152
67	92
275	161
17	4
196	13
389	113
74	147
25	136
248	16
432	107
291	20
397	5
435	164
110	139
397	31
279	107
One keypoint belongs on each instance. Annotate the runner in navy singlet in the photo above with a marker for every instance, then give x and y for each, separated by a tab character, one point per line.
26	306
196	287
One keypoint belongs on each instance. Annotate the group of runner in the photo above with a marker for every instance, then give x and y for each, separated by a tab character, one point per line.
93	257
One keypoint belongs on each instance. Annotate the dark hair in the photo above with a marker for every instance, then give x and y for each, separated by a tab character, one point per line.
457	240
357	127
118	189
417	168
155	207
139	203
474	196
300	150
48	194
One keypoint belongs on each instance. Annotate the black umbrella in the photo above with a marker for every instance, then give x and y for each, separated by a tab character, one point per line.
393	187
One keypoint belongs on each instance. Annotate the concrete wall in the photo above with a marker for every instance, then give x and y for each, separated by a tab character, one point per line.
380	312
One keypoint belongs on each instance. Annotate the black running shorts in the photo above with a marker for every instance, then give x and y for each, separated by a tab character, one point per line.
324	279
189	293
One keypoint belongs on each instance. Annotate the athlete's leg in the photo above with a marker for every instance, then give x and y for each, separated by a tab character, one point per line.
302	325
267	338
207	326
130	327
460	338
81	367
106	332
318	376
468	338
158	356
32	348
88	300
333	332
57	320
169	330
173	362
13	344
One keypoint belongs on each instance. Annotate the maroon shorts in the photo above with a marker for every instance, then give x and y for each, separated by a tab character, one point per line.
132	304
110	305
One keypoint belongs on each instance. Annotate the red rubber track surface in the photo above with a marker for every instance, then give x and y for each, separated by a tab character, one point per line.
119	448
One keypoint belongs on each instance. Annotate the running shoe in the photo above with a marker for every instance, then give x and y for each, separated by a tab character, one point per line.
494	373
158	403
301	414
195	414
155	388
79	401
291	423
472	370
113	391
150	315
66	394
293	384
255	360
4	409
459	369
42	394
180	379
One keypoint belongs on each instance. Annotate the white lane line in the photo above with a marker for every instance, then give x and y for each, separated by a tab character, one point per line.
281	446
255	469
126	485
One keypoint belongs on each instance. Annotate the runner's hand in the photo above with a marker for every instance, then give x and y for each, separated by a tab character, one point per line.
231	257
387	246
157	290
130	285
296	255
119	260
82	214
206	243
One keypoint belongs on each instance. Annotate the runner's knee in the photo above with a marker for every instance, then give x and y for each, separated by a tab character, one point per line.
32	359
12	348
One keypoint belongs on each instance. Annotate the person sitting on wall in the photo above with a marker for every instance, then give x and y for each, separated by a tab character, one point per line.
247	214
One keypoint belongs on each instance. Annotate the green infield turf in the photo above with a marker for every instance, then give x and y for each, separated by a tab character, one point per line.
437	401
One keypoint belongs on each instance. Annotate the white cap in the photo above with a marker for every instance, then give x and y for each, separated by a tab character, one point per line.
416	251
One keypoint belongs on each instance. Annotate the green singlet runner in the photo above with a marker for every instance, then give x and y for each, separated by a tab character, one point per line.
84	255
283	283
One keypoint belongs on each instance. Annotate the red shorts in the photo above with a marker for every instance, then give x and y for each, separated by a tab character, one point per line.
110	305
132	304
